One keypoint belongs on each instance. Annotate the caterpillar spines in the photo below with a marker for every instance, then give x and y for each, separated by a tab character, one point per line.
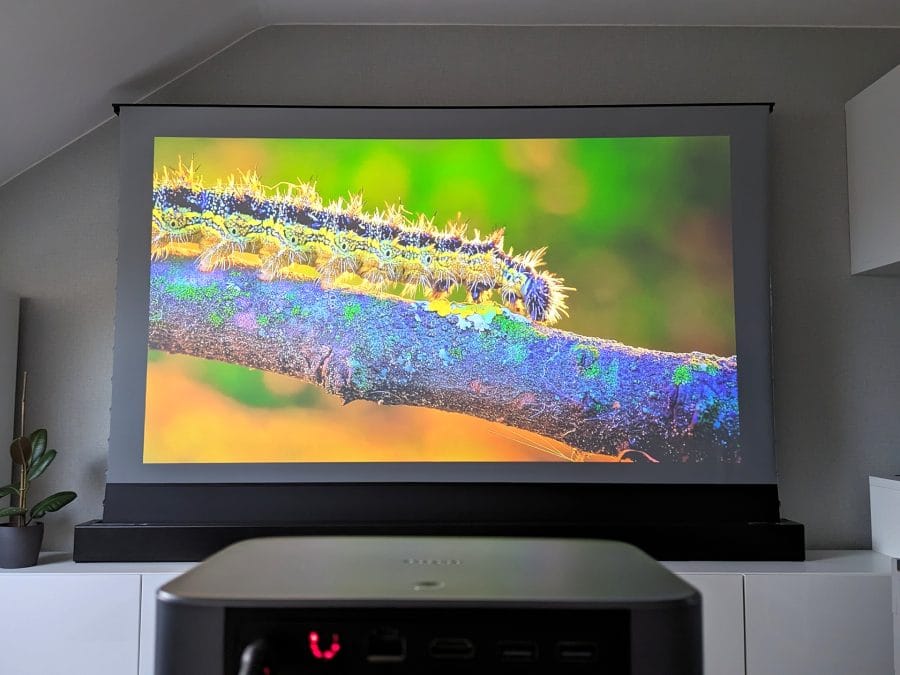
496	237
532	259
424	224
456	227
307	193
351	207
287	224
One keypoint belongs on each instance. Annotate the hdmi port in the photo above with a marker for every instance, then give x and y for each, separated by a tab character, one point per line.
518	651
451	649
577	652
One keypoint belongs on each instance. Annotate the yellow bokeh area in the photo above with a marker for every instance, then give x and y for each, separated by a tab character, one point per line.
215	428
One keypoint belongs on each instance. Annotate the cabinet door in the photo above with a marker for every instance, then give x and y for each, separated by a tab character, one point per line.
895	576
723	621
819	624
149	585
69	623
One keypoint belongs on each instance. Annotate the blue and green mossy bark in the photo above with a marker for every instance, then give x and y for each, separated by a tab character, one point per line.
595	395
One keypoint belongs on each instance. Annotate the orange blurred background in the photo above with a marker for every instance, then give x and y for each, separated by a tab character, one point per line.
217	428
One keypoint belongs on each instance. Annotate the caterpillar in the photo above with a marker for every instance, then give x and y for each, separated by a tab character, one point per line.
290	224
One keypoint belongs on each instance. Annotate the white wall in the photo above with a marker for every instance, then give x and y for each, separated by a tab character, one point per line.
59	253
836	337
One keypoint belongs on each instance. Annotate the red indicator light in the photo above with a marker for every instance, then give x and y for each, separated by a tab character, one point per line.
319	651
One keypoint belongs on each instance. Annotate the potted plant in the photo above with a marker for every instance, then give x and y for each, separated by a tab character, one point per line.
20	539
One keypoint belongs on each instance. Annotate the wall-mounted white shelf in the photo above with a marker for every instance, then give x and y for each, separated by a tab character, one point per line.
884	498
873	171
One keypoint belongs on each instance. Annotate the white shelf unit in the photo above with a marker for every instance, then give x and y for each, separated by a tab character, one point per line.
884	501
873	174
829	615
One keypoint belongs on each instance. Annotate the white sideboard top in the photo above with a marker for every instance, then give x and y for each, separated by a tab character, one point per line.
817	562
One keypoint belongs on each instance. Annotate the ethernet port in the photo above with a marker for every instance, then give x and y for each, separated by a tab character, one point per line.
385	645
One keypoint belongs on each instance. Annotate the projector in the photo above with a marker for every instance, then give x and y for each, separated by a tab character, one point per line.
428	605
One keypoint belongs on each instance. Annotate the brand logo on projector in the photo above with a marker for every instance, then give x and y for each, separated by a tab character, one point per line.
432	562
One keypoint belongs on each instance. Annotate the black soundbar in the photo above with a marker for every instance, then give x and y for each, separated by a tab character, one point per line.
100	541
373	503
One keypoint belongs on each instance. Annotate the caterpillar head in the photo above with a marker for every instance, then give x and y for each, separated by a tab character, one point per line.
515	275
544	296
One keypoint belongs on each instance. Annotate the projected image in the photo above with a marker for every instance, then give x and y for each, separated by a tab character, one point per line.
483	300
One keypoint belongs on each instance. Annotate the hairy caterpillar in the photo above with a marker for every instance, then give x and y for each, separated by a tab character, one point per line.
289	223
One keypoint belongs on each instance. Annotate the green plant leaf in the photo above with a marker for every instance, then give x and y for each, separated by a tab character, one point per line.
7	490
11	511
38	444
20	451
51	503
38	467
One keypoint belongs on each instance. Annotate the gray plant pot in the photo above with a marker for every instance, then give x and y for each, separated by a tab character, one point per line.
20	546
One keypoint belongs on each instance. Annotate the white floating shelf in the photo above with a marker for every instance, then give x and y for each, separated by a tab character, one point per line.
873	168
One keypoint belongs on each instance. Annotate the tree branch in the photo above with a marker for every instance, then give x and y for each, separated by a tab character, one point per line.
595	395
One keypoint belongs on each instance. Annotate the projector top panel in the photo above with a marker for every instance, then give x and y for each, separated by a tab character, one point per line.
427	571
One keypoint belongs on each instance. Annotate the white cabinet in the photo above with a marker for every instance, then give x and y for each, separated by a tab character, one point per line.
723	621
873	171
818	624
895	565
831	614
69	623
150	583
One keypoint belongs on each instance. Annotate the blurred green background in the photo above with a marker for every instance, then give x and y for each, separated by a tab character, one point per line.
639	226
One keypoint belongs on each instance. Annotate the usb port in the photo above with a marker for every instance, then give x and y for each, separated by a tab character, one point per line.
451	649
517	651
385	645
577	652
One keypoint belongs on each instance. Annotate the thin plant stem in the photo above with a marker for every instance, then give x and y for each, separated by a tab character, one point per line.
23	475
22	406
23	489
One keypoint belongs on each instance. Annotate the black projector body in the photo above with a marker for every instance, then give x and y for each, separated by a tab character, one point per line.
428	605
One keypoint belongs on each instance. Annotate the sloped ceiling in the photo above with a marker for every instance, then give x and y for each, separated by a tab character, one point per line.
63	62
